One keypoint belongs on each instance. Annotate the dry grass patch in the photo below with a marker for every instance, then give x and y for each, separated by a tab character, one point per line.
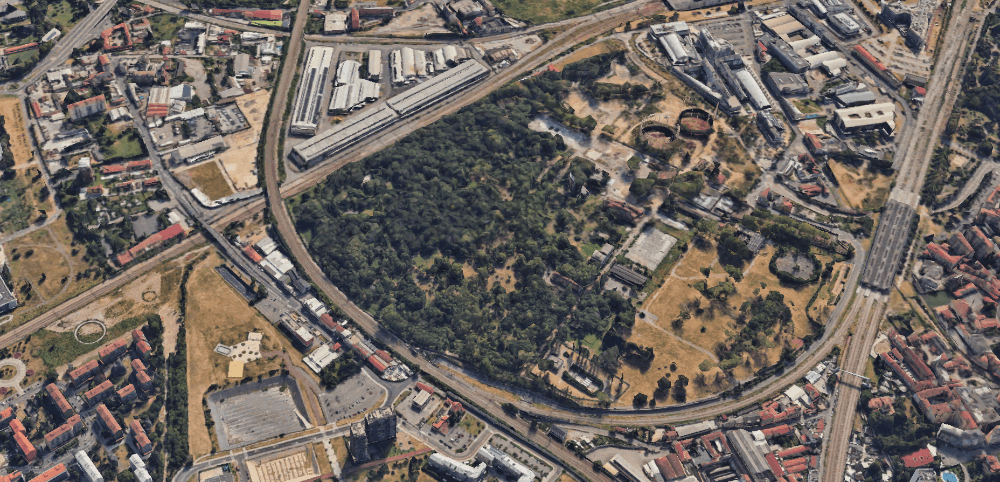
710	323
10	109
216	314
598	48
862	189
207	177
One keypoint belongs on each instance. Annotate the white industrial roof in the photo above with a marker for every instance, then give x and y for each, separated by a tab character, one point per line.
438	87
866	115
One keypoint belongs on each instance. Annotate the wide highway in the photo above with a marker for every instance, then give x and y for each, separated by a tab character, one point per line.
890	243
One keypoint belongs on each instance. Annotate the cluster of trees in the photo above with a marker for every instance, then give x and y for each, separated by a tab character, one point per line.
341	369
764	314
175	440
7	158
465	192
783	229
937	175
981	83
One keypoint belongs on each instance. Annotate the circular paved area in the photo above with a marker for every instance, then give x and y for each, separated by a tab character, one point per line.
19	369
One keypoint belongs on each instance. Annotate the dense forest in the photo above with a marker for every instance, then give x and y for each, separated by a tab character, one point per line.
424	234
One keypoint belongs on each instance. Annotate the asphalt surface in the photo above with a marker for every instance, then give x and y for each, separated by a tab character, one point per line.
916	146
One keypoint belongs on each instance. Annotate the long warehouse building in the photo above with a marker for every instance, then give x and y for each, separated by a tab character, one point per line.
309	99
438	88
372	120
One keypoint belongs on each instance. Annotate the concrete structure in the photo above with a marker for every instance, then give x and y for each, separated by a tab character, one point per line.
438	88
456	470
7	300
784	83
380	425
421	399
87	107
750	455
867	118
241	66
309	98
374	65
335	22
334	140
88	468
844	24
200	151
358	442
505	463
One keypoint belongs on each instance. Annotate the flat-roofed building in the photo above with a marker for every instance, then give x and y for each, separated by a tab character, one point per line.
109	423
200	151
420	401
867	118
786	83
90	472
87	107
457	470
374	65
335	22
438	88
343	135
7	300
750	455
309	98
58	400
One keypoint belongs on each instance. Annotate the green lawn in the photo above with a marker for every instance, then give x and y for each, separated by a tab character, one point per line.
57	349
544	11
25	57
61	14
166	25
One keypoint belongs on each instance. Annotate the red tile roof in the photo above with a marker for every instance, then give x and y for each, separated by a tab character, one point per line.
919	458
257	258
112	169
423	387
58	399
50	474
269	15
26	448
16	426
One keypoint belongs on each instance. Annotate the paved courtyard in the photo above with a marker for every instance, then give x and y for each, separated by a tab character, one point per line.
651	247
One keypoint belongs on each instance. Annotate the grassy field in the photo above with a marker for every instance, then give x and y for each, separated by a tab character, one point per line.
26	57
217	314
121	311
544	11
209	178
126	146
166	25
709	324
53	246
10	109
862	189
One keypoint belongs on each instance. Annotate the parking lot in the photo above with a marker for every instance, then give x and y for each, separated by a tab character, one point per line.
357	394
255	411
735	30
412	415
172	133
